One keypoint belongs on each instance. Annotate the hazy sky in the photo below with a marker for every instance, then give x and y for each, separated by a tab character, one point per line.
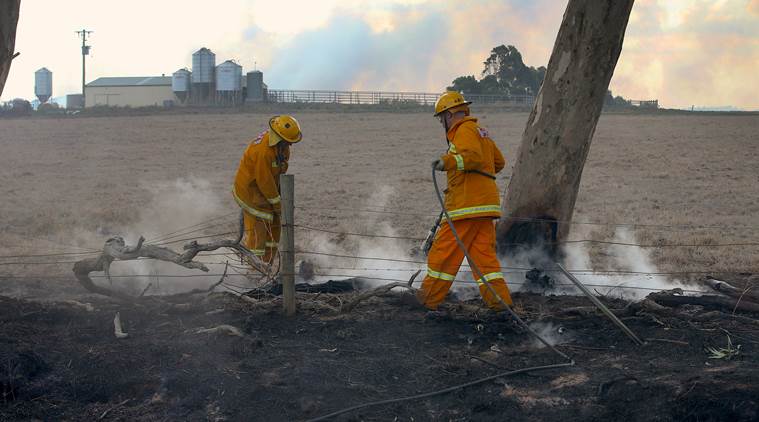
683	52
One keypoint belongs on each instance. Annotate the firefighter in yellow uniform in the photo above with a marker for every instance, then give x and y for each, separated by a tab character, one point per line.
473	203
256	187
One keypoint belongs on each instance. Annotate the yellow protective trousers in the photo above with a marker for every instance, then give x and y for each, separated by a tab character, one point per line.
262	236
444	260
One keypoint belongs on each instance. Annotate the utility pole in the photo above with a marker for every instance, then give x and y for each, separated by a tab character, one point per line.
85	51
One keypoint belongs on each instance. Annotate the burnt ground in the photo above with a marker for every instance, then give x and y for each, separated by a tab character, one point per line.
61	361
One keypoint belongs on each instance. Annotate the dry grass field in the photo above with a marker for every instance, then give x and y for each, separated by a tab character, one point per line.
70	183
74	181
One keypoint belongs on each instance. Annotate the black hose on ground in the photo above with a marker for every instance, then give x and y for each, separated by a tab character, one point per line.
476	271
439	392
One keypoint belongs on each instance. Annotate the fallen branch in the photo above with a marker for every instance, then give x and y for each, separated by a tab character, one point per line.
83	306
671	298
726	288
206	290
221	329
116	248
379	291
110	409
666	340
118	331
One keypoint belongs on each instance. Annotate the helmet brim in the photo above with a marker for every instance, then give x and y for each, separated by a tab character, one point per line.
465	103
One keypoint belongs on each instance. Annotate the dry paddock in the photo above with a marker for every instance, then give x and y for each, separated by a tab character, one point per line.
71	183
74	181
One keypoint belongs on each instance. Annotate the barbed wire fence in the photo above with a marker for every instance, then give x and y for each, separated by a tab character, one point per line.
361	269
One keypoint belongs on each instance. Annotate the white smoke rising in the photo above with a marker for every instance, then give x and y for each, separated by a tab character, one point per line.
624	258
386	269
375	272
173	207
551	333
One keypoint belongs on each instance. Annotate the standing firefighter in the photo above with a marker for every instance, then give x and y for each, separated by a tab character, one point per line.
256	187
472	201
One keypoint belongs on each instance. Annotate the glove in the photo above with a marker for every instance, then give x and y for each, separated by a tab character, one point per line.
438	165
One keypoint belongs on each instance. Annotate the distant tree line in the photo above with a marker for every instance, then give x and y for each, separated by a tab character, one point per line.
505	73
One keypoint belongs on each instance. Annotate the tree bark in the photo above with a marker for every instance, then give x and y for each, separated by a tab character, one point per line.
541	196
9	11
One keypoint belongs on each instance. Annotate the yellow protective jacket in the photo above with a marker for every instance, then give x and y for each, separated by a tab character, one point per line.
471	195
256	187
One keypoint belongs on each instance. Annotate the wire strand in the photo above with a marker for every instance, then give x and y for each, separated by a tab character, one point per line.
605	242
543	220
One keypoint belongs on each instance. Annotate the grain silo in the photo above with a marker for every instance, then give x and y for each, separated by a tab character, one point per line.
228	83
203	73
180	84
43	84
255	86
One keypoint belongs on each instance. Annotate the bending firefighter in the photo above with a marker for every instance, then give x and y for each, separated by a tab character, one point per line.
256	187
472	201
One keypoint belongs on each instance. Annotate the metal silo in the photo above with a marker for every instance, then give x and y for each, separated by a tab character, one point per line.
43	84
203	72
180	84
228	83
255	86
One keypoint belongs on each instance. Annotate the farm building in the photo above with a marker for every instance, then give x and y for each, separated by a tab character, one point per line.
138	91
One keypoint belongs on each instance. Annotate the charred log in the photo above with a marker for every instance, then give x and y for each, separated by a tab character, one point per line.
673	299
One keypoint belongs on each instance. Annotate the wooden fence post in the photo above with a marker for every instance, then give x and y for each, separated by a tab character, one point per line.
287	245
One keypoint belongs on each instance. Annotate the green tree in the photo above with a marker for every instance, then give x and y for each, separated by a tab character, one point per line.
504	73
465	84
513	76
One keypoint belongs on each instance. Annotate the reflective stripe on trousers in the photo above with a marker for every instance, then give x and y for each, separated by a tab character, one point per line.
250	210
445	257
474	210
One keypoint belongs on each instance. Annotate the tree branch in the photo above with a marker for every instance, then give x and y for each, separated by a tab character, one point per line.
116	248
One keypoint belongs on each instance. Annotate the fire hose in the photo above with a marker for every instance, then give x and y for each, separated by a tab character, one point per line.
476	271
480	276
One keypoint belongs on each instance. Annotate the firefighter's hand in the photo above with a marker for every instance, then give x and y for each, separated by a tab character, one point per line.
438	165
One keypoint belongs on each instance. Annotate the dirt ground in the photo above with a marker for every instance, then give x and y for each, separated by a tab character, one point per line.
70	183
63	362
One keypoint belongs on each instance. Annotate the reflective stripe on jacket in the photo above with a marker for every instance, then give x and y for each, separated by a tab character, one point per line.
256	187
472	195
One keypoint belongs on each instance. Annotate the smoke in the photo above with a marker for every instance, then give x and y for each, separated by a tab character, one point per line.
173	207
358	56
629	260
551	333
185	202
389	250
412	47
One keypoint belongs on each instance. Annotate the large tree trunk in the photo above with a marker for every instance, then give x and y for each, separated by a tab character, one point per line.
543	189
8	21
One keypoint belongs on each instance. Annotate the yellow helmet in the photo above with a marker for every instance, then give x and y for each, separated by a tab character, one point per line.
284	128
449	100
